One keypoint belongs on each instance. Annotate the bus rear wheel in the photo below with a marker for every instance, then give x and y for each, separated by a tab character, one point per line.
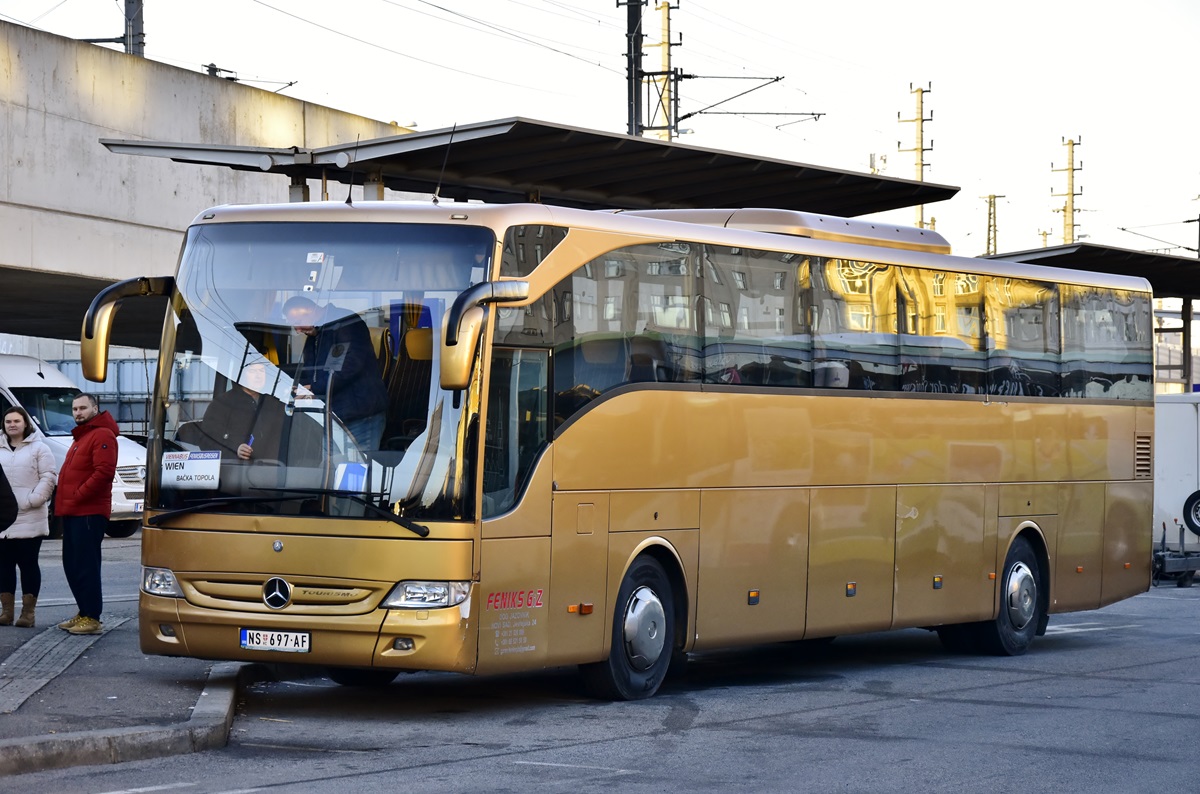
357	676
1021	604
643	634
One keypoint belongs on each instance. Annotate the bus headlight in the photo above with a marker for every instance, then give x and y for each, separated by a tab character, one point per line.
160	582
426	595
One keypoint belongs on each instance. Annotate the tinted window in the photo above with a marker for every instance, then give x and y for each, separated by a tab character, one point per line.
755	317
1106	344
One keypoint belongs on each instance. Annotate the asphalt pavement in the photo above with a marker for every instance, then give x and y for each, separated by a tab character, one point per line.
70	700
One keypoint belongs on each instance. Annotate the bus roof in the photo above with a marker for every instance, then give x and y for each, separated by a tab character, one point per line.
886	244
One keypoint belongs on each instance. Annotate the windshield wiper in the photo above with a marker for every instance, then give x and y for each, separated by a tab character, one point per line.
357	498
210	503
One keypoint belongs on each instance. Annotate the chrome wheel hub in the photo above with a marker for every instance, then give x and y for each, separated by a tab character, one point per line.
1021	596
644	628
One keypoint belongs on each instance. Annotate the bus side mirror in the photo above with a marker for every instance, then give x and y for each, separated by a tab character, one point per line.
463	326
456	359
97	322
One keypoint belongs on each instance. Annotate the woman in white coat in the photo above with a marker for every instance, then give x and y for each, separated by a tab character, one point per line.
29	466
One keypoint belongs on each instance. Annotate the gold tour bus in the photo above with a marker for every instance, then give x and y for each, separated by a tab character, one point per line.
609	439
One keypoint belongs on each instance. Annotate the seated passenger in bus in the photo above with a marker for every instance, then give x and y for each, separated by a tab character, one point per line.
244	423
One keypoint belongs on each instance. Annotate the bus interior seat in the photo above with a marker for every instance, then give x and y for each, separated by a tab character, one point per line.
648	360
408	388
418	344
781	373
601	363
381	342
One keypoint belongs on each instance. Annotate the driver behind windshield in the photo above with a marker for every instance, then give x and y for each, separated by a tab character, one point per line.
339	365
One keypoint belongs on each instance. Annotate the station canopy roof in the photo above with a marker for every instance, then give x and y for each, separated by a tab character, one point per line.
1169	276
518	159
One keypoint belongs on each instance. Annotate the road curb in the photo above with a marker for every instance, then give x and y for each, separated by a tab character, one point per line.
207	729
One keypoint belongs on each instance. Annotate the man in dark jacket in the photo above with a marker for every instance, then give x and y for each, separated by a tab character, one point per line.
340	365
83	501
243	422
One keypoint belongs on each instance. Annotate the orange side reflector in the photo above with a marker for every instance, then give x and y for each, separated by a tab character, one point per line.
1079	569
1128	565
572	608
585	609
851	589
992	576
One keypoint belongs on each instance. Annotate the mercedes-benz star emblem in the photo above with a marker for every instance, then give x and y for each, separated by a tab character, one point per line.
277	545
277	593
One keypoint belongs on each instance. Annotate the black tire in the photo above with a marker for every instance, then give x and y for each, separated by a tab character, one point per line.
1022	604
959	637
1191	513
122	529
357	676
1185	579
643	636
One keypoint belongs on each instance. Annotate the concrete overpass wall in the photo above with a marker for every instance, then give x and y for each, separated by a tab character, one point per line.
69	206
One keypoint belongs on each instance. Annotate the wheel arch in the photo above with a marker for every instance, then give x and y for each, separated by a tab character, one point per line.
668	557
1035	535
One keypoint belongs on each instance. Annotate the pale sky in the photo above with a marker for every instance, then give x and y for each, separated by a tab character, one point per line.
1010	81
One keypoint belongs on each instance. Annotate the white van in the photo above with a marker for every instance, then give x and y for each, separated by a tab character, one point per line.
47	395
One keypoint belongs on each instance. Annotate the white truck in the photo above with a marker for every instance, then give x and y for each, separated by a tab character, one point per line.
1177	487
47	394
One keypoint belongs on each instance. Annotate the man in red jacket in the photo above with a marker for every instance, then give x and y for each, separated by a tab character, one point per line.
84	501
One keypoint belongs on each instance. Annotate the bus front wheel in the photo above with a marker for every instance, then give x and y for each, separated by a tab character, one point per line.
643	634
1021	604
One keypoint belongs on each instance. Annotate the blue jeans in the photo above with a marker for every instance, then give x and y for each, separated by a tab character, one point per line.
81	561
368	430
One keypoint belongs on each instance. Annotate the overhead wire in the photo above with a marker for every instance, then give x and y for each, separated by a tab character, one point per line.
374	45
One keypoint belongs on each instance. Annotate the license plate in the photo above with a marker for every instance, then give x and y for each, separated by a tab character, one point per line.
289	641
138	507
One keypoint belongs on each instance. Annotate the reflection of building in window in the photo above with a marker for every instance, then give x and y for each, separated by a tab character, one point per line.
855	276
968	322
666	269
613	268
780	325
858	318
712	273
744	318
966	284
739	278
672	312
939	284
939	319
726	315
779	277
612	308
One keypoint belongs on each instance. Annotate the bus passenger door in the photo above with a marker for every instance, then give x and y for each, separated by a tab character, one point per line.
578	577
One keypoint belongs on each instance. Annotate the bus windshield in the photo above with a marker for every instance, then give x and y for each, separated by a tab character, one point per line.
305	362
